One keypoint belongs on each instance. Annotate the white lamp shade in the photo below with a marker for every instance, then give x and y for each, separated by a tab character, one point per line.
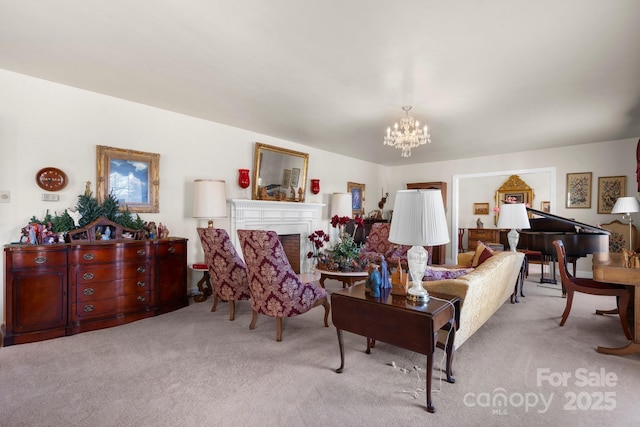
419	219
209	199
626	205
341	204
513	215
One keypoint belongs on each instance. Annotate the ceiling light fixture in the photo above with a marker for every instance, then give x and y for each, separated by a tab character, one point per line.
408	135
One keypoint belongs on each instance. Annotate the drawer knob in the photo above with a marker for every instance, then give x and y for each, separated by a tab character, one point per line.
141	298
141	284
88	291
87	276
172	249
141	269
141	252
88	308
40	260
88	257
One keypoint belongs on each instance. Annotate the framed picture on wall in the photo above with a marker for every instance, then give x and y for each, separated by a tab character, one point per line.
579	190
609	189
481	208
131	176
357	198
545	206
295	176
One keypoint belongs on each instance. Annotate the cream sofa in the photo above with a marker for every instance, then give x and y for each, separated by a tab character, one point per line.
482	291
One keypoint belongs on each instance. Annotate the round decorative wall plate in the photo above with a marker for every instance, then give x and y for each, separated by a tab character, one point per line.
51	179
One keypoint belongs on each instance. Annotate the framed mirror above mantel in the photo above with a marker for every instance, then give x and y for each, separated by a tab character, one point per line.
515	189
279	174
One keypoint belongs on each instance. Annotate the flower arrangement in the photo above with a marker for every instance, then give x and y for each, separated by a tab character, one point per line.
344	254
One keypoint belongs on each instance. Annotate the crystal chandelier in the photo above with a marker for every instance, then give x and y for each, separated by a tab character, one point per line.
408	135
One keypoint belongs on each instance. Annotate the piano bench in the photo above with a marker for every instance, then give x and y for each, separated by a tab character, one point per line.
536	257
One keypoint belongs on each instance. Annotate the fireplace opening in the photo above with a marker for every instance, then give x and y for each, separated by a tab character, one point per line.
291	245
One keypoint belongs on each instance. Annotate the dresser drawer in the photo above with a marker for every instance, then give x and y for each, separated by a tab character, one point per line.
89	255
38	258
166	248
105	290
112	306
114	272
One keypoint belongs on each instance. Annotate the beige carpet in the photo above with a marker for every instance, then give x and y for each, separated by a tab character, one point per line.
196	368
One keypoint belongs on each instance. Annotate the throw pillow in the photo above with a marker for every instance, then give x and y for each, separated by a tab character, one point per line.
482	254
440	273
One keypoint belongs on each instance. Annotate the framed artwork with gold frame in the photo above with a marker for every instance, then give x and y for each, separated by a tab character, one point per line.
609	189
131	176
481	208
357	198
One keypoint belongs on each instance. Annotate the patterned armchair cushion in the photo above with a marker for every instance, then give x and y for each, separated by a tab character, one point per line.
227	271
275	288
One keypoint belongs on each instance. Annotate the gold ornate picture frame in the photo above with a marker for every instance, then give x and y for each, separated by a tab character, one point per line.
357	198
609	189
131	176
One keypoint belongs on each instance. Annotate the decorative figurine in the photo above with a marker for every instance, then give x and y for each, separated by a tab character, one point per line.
385	282
374	280
479	223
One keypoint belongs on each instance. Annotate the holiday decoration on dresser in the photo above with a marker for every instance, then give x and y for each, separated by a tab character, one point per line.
57	228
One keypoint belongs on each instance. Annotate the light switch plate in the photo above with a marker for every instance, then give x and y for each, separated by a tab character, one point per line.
50	197
5	196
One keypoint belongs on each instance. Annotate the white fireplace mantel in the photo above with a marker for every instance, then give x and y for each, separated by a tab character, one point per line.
281	217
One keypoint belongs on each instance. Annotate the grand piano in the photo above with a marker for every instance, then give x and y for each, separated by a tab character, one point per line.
579	239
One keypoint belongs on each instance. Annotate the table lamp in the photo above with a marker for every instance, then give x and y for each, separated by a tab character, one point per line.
209	199
626	206
418	220
513	216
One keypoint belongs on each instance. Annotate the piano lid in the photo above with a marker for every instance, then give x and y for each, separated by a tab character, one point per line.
551	222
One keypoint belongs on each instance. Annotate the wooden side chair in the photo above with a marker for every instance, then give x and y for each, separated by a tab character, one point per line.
572	284
276	290
227	271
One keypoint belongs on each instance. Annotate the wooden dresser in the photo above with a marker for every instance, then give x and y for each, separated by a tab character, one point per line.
64	289
483	235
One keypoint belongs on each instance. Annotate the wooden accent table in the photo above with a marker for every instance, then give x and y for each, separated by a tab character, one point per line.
397	321
204	284
607	267
348	278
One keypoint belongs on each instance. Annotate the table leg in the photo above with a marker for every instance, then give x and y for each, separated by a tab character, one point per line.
430	406
450	350
634	346
204	286
341	344
322	279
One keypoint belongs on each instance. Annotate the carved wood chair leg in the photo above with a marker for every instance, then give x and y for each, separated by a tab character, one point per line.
567	308
278	328
215	303
327	307
254	318
232	310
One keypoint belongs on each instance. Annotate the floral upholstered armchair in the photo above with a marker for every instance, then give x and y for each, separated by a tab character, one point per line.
378	247
227	271
276	290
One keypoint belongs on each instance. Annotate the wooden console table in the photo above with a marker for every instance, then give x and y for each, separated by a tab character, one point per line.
63	289
397	321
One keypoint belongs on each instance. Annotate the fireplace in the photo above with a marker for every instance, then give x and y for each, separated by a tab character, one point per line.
285	218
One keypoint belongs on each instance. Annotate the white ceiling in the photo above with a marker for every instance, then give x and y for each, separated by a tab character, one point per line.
487	76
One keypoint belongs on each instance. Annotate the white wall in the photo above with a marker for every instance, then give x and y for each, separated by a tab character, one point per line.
46	124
